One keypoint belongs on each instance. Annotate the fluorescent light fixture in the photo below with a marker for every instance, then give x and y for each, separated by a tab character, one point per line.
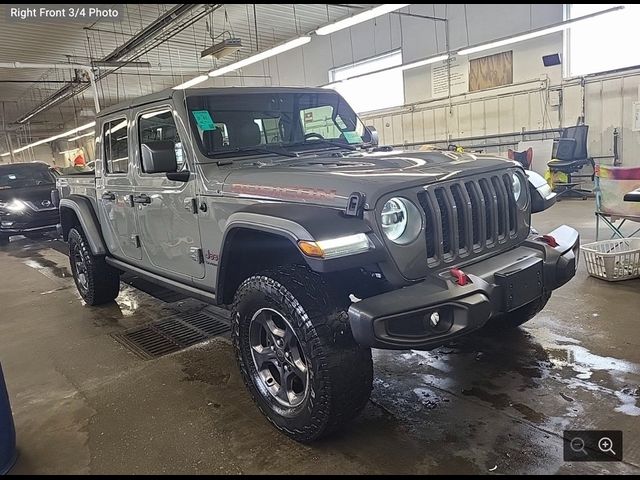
360	17
558	27
422	63
80	136
56	137
296	42
69	151
192	82
5	154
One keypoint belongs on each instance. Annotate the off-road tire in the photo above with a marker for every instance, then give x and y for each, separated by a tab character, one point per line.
102	280
340	371
521	315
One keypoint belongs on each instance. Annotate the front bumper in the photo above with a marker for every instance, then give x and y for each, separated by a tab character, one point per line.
401	319
43	221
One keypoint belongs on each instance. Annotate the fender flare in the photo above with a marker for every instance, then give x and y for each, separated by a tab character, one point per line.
88	219
294	223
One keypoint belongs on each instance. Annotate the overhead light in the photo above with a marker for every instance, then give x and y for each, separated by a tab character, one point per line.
69	151
192	82
296	42
5	154
56	137
81	136
558	27
222	49
422	63
360	17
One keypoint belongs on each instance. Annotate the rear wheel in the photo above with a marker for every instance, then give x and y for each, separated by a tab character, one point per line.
296	354
96	281
521	315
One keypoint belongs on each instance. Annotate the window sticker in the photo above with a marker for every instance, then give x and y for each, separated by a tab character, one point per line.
204	120
352	137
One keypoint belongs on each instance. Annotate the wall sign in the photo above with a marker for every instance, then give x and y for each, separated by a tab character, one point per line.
459	76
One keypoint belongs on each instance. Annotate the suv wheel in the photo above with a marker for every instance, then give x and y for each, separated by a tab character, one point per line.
296	353
96	281
522	314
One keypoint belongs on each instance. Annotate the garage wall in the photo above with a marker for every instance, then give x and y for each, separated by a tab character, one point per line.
608	99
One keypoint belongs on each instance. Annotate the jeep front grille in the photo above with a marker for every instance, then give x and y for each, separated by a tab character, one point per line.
469	217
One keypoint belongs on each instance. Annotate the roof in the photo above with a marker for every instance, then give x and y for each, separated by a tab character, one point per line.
170	93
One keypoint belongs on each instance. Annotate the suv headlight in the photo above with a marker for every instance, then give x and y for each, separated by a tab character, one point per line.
13	206
400	220
518	186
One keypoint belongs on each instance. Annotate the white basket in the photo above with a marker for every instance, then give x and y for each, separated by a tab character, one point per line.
613	260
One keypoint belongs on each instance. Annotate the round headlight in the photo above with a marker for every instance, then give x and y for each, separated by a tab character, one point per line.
401	221
394	218
516	186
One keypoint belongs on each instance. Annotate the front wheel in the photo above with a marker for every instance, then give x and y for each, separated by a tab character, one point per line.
296	354
97	282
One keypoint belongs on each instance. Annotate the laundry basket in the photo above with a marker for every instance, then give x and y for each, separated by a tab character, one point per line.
613	260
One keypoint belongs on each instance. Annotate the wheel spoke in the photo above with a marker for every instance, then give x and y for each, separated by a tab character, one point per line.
263	355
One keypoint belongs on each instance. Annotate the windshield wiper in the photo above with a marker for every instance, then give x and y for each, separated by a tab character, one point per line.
324	141
257	149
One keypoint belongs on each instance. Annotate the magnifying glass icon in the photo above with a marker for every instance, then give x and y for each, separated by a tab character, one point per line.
606	445
577	445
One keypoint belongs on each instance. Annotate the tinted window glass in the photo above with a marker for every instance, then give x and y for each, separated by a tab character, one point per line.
116	146
160	125
19	176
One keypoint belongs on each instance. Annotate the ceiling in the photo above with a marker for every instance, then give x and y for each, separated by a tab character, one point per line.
173	54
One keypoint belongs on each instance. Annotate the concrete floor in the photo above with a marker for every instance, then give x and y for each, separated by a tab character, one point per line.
492	403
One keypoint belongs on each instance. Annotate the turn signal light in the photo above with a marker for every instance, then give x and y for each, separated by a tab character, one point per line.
310	248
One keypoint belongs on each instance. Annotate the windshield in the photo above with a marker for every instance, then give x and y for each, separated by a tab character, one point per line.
293	120
19	176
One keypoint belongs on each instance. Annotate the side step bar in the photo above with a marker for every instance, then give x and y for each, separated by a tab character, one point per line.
187	290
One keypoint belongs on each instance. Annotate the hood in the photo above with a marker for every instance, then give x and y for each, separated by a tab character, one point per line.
35	195
331	179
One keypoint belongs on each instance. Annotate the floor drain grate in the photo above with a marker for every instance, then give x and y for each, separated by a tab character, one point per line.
173	333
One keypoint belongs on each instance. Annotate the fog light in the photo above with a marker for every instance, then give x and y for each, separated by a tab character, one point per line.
434	319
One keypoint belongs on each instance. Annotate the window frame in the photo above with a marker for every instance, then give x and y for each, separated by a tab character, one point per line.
105	162
139	115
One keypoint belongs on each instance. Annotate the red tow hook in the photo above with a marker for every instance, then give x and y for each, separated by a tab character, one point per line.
549	240
462	278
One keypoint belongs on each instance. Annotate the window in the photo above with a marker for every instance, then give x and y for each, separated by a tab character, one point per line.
116	146
375	91
237	123
21	176
603	43
160	125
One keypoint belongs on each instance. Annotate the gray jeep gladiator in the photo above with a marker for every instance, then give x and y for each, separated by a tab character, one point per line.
279	204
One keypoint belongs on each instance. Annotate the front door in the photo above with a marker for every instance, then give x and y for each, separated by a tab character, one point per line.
166	209
115	191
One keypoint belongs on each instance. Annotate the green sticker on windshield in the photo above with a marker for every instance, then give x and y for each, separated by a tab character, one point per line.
352	137
204	120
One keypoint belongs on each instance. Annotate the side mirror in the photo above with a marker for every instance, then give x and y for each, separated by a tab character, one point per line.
159	157
542	197
375	138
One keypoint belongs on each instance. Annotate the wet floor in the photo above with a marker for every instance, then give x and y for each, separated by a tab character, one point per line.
495	402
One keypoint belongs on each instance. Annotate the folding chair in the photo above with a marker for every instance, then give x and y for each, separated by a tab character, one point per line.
611	183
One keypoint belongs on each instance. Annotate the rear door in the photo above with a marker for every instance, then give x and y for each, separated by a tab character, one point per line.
115	190
166	209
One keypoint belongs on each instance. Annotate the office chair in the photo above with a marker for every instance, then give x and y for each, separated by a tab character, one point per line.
571	157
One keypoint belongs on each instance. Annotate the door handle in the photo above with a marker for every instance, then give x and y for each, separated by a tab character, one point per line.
108	196
142	198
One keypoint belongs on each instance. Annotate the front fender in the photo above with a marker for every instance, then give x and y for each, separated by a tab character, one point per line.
77	206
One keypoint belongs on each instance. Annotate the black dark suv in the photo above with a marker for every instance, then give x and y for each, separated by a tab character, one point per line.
25	200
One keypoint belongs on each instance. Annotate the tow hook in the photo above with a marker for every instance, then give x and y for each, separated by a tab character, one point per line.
549	240
462	278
